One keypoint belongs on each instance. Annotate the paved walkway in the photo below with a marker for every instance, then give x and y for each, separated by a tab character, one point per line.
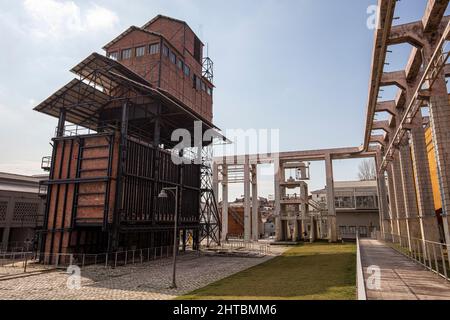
149	281
401	278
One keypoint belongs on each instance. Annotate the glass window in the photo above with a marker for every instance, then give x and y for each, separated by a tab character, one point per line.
342	230
140	51
114	55
165	50
154	48
126	54
203	86
365	202
209	91
173	57
180	64
344	202
187	70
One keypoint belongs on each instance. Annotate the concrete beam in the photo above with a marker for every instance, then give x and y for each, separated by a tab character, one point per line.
378	139
434	13
386	106
411	33
309	155
414	64
381	125
396	78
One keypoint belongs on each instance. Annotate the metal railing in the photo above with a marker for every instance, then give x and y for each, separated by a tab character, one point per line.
432	255
64	260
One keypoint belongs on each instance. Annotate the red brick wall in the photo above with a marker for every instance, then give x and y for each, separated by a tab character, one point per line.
160	71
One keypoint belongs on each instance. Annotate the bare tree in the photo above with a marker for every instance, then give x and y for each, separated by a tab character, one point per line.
367	170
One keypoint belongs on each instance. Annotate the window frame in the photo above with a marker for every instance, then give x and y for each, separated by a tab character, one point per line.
174	56
165	50
114	55
154	45
187	70
122	54
143	51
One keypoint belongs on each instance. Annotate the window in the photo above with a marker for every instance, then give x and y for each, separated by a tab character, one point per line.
344	202
187	70
365	202
203	86
180	64
172	57
209	91
343	230
126	54
165	50
154	48
114	55
140	51
196	82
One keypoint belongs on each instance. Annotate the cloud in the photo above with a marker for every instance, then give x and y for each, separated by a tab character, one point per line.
55	19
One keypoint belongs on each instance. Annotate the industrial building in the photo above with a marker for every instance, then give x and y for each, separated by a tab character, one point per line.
356	204
105	177
22	205
113	153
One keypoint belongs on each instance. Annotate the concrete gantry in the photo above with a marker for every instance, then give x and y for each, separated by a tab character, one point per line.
418	170
291	211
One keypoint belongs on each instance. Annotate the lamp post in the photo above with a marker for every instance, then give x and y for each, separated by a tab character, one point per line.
163	195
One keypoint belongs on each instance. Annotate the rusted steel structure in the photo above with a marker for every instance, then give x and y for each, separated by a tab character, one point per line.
113	154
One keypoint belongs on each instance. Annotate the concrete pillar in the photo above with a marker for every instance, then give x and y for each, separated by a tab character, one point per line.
429	229
439	122
332	232
392	204
382	198
279	235
215	180
409	194
255	204
224	202
399	198
247	213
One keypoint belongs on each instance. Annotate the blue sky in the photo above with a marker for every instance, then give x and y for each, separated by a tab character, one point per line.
301	66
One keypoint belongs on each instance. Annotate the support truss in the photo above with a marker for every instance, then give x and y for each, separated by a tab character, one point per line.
210	223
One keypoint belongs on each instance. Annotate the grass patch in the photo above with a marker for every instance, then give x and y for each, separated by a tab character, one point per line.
305	272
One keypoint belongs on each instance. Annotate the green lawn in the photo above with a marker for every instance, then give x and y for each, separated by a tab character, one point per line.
306	272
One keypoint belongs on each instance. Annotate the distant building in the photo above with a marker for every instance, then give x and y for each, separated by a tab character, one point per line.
236	218
21	210
356	207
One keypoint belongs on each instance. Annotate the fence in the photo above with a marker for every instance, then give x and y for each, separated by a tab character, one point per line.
45	261
432	255
16	246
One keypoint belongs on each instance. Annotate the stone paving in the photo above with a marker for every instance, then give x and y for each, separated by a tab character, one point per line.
401	278
148	281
